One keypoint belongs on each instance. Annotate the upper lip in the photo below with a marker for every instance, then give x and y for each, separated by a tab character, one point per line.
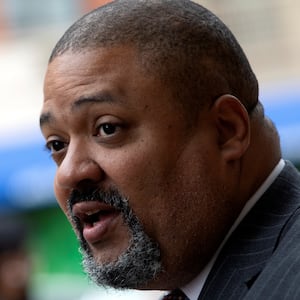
88	212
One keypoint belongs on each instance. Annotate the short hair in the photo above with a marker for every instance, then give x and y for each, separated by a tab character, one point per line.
179	41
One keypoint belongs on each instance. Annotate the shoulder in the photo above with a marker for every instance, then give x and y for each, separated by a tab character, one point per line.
280	279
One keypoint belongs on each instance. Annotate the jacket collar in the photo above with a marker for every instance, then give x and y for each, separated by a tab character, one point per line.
252	244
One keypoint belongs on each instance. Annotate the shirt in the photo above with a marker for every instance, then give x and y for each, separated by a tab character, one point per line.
194	288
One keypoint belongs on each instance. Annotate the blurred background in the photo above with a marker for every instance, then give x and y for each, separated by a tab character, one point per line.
47	250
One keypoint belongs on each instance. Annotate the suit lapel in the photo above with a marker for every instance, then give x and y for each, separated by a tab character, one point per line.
252	244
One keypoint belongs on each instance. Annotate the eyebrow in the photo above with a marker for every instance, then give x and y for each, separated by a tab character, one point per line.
47	117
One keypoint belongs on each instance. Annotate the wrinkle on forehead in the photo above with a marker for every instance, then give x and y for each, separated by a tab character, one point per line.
105	75
82	69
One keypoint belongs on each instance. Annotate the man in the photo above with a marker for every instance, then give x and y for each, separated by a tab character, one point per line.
167	167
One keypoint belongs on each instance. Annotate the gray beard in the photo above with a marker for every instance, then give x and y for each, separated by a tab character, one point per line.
137	265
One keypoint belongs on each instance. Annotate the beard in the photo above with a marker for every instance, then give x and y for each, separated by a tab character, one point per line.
137	265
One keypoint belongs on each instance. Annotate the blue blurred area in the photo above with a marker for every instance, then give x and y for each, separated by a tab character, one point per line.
282	105
26	176
33	13
27	171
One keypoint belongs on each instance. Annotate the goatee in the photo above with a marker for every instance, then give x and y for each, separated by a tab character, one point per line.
137	265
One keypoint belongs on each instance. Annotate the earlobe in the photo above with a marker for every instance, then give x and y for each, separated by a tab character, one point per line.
233	127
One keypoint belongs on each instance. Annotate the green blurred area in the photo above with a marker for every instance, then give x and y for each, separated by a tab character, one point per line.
56	261
52	242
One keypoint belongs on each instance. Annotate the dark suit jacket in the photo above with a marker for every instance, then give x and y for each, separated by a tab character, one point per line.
261	259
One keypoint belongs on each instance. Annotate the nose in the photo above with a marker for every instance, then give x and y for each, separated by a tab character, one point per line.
78	170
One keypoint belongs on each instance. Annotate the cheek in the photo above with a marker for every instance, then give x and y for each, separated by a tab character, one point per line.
142	176
175	202
136	170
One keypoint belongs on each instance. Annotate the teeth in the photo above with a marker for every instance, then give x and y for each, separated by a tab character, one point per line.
92	212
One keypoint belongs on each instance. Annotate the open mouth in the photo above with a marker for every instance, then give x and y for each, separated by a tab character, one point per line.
95	219
91	212
91	217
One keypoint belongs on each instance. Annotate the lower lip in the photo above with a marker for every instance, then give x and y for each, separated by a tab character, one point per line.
100	230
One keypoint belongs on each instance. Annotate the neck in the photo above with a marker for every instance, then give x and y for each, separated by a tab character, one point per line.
261	157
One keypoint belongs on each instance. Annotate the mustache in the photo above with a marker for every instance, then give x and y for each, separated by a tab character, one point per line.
111	197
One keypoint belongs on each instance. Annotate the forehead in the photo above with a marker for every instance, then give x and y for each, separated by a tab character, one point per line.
106	73
103	64
110	75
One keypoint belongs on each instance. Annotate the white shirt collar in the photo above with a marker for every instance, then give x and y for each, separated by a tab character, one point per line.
193	289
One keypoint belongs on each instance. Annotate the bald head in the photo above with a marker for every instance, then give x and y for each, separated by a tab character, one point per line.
178	41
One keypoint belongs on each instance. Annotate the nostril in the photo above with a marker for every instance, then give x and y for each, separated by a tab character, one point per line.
78	171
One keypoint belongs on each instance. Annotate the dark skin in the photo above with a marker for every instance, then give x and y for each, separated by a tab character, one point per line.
173	174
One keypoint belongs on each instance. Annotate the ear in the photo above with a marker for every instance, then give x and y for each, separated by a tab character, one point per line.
233	127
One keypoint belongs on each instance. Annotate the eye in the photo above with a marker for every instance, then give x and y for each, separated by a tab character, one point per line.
110	130
107	129
55	146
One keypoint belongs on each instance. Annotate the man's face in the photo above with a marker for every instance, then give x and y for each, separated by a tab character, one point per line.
140	185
